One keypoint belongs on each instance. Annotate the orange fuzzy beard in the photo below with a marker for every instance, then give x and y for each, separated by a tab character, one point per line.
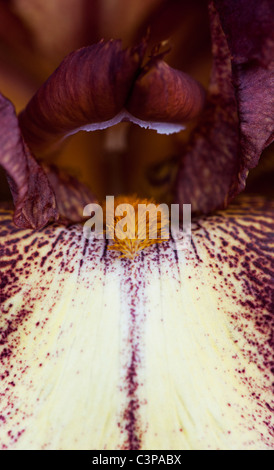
131	246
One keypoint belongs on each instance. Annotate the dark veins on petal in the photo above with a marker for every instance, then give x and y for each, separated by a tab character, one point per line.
237	123
253	71
234	247
157	94
90	85
96	85
93	85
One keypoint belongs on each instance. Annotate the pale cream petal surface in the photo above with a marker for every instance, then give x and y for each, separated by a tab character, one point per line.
170	351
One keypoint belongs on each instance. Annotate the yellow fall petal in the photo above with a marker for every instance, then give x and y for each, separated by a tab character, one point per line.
171	350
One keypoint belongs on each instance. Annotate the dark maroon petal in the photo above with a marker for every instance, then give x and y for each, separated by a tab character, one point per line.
238	119
32	194
163	94
248	25
71	195
92	89
249	28
89	87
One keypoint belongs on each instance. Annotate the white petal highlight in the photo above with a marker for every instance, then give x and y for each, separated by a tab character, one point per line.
125	116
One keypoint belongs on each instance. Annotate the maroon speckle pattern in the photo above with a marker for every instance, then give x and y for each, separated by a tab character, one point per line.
245	254
22	254
236	247
132	294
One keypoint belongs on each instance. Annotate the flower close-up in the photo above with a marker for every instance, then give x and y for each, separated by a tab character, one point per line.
135	337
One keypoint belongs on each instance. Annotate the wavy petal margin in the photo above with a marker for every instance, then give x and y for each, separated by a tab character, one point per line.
89	87
32	194
237	123
249	29
164	94
41	193
91	90
172	351
71	195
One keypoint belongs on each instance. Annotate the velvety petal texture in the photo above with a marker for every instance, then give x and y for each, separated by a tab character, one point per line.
162	93
41	193
33	196
249	28
92	89
237	123
90	86
171	351
71	195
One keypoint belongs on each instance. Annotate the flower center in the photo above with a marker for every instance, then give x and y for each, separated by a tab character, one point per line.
136	225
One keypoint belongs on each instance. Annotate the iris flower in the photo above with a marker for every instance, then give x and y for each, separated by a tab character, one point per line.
172	349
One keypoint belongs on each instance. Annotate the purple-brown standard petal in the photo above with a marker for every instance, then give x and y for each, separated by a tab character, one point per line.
102	85
164	94
90	87
237	123
32	194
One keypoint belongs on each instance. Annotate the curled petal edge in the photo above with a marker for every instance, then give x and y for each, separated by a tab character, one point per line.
33	197
98	86
41	193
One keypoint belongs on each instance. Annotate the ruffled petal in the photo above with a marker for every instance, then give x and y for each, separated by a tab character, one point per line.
253	72
165	95
32	194
71	195
173	351
41	193
86	92
237	122
95	88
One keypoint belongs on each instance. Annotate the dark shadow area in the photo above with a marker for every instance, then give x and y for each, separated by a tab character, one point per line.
5	194
261	179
